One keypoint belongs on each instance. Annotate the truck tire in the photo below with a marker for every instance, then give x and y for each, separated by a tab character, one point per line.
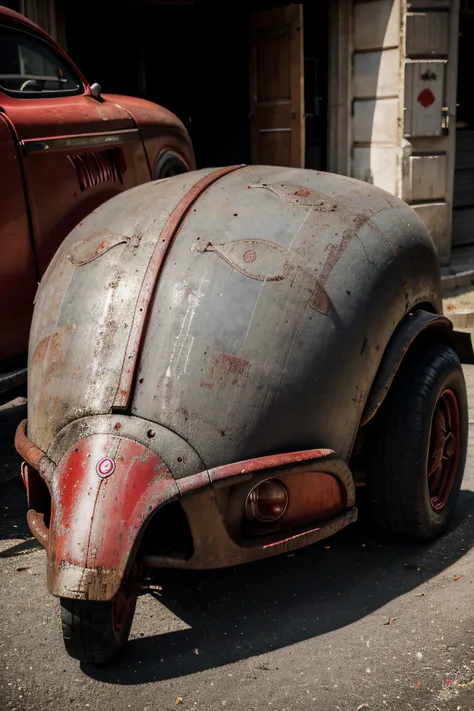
416	446
169	164
96	632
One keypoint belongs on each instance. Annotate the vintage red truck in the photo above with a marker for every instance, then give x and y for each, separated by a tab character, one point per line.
65	148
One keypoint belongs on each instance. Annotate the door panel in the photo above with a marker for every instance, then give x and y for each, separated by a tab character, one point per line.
60	140
277	87
18	279
77	152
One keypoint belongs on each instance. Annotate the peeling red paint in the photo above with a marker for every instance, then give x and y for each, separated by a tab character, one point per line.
95	522
270	462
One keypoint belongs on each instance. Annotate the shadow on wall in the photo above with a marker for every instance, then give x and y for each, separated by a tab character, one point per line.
242	612
376	93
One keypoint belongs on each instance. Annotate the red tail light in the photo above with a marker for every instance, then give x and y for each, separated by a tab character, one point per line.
267	501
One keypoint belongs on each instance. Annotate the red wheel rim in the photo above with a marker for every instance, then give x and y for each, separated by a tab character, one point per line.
444	451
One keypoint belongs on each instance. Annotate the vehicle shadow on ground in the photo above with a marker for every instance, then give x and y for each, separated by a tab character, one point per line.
253	609
12	491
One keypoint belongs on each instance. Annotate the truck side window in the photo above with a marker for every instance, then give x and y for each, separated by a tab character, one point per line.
29	68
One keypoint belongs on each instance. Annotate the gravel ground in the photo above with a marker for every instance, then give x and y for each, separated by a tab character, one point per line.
351	623
459	300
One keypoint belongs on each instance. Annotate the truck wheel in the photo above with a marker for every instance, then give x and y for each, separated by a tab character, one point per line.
169	164
96	632
416	446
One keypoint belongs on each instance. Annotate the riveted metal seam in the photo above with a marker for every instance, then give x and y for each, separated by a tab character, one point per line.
147	289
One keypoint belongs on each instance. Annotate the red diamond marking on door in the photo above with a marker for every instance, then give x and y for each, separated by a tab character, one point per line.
426	98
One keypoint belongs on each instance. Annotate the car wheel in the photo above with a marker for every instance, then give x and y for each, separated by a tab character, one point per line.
96	632
169	164
416	446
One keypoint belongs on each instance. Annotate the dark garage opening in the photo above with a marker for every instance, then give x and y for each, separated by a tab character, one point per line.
193	58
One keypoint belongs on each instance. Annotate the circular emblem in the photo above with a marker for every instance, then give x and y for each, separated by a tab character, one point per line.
105	467
250	256
426	98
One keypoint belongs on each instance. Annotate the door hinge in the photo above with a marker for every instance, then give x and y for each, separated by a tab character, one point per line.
445	119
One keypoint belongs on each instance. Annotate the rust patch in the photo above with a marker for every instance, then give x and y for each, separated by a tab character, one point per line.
335	251
227	367
25	448
319	300
50	353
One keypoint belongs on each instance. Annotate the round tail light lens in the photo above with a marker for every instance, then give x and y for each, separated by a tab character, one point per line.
267	502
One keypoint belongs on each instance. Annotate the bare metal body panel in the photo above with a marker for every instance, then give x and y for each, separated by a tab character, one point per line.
270	314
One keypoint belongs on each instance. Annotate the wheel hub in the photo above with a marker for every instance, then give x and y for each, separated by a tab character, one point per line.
443	459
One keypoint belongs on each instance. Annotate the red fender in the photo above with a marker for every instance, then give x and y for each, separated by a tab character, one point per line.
104	489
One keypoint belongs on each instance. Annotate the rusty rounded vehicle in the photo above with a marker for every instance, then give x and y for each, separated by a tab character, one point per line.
216	361
65	148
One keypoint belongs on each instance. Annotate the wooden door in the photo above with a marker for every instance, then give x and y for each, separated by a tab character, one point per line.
277	87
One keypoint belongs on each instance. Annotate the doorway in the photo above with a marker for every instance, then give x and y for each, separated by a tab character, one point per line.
463	199
195	58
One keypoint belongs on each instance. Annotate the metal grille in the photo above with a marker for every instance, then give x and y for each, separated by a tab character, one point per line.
99	167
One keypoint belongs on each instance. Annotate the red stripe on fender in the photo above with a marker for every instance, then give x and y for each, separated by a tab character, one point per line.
168	233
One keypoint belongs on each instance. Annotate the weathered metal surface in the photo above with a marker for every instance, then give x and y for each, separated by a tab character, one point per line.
245	469
29	451
271	462
97	515
172	136
99	296
251	366
214	547
18	278
408	331
179	457
55	173
140	316
37	527
255	329
237	366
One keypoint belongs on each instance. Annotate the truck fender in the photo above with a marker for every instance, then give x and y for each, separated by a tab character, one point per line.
104	490
408	332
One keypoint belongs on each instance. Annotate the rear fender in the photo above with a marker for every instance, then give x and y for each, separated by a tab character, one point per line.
412	328
104	489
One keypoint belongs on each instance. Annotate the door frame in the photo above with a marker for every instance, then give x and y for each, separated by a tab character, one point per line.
339	139
262	21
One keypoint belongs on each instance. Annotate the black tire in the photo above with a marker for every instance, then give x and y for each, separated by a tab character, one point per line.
91	631
168	165
422	427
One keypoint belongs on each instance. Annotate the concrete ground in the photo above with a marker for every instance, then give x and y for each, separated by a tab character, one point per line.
352	623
